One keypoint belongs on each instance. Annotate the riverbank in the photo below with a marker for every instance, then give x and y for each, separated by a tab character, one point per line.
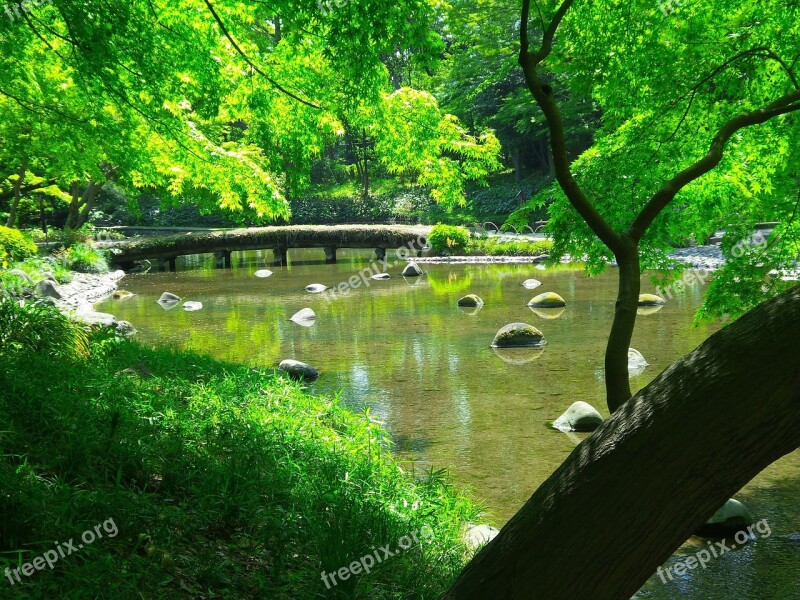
197	477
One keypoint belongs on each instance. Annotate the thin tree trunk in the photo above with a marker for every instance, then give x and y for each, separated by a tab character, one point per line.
618	386
72	217
12	213
638	487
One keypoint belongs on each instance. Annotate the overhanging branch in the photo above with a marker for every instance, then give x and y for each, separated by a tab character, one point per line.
274	83
784	105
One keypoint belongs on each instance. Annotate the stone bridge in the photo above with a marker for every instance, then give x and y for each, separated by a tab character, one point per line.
164	249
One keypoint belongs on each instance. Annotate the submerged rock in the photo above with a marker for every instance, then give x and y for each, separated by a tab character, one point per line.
531	284
121	295
168	298
547	300
316	288
470	300
580	416
651	300
305	317
263	273
732	517
518	335
298	370
412	270
636	362
477	536
192	306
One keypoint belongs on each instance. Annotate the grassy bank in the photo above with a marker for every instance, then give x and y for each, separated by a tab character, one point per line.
221	481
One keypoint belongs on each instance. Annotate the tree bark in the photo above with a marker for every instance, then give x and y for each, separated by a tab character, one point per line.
638	487
12	212
618	386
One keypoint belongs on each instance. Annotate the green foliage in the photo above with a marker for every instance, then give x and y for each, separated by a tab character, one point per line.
15	246
667	85
84	258
448	239
38	327
219	477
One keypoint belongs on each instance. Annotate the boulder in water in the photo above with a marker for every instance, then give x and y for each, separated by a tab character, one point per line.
412	270
547	300
636	362
192	306
531	284
263	273
121	295
380	276
168	298
305	317
580	416
316	288
518	335
298	370
471	301
732	517
651	300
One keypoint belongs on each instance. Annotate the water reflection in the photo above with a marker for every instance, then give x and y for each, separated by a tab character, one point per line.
423	366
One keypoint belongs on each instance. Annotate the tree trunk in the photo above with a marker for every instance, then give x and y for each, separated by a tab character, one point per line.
638	487
72	217
618	386
12	212
89	196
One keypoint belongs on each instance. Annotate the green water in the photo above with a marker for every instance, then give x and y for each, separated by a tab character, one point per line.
425	368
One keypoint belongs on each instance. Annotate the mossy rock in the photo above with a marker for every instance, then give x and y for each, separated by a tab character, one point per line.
518	335
547	300
651	300
470	300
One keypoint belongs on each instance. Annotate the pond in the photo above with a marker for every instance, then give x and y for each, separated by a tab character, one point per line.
424	367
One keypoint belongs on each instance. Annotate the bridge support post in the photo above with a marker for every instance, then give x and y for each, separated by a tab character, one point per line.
330	255
280	256
380	254
223	259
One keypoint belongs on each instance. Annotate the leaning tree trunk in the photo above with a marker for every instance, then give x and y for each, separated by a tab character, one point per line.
638	487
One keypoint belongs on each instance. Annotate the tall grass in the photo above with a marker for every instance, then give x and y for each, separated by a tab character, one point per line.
224	481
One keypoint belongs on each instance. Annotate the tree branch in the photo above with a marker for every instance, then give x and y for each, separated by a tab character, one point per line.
274	83
544	97
784	105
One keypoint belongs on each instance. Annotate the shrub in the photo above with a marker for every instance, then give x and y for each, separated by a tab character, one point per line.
15	245
448	239
85	259
491	247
